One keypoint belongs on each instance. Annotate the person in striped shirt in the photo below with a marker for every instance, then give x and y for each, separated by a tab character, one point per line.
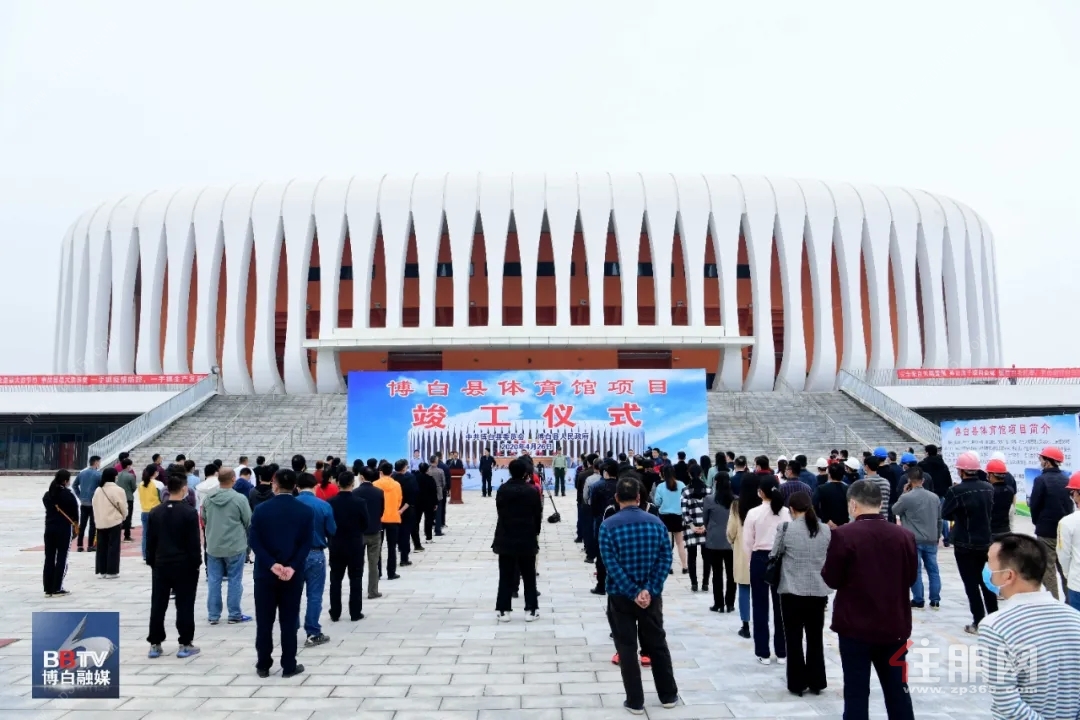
1027	648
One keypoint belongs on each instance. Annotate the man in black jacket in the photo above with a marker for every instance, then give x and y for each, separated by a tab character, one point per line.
603	494
519	509
427	499
264	489
968	504
174	554
347	548
487	466
375	503
410	530
940	480
1049	503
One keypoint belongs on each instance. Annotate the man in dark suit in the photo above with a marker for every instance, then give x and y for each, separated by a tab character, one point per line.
487	466
519	509
374	502
282	530
410	530
347	548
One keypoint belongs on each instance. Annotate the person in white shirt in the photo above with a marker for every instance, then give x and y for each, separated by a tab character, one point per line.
1068	543
1027	649
241	465
759	532
207	487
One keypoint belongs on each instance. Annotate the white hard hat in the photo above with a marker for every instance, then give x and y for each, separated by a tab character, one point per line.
852	463
781	459
998	456
821	463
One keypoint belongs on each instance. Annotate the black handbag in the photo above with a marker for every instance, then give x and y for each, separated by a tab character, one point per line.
774	564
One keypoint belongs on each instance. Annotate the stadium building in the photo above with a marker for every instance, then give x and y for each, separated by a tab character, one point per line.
286	287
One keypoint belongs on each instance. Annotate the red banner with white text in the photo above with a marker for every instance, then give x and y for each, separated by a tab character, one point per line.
987	373
99	380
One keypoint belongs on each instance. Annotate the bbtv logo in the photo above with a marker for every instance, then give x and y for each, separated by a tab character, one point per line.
76	655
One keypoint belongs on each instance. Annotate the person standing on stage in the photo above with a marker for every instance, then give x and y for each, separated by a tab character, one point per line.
282	531
174	554
558	464
487	466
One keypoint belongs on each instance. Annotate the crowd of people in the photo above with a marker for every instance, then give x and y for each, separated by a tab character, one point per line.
782	541
777	543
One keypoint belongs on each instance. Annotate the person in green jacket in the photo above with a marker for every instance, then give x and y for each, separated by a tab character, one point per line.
226	519
127	480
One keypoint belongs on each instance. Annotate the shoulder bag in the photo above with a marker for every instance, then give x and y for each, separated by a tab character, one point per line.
774	563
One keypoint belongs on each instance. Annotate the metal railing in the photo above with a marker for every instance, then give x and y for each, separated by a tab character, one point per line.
902	417
890	378
155	420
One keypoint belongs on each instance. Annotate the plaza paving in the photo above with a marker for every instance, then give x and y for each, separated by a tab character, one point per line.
431	649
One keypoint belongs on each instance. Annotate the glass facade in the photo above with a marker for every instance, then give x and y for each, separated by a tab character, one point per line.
51	442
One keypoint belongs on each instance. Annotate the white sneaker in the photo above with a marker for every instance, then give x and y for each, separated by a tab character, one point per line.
503	617
781	661
673	703
764	661
110	577
534	615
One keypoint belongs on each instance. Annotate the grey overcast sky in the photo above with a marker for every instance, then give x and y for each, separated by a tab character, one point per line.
977	99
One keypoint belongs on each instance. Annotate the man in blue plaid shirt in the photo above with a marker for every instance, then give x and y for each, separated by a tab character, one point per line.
637	553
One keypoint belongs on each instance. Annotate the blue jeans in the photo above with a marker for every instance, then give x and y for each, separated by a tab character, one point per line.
314	582
218	569
145	517
744	603
1074	599
927	554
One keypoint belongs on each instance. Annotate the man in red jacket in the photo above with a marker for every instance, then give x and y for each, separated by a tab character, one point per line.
871	563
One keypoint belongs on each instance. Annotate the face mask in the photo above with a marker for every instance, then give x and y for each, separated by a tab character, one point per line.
988	579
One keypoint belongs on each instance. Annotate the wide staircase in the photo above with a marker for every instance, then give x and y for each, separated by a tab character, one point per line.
754	423
274	426
792	423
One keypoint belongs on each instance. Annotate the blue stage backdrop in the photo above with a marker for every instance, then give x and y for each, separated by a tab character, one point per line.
396	415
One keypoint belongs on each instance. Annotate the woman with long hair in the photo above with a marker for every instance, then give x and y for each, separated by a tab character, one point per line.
110	509
61	518
759	533
326	485
149	492
803	594
693	501
718	551
707	473
667	496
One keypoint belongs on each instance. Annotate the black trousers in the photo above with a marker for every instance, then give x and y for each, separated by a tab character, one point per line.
57	543
275	599
628	623
86	520
107	561
390	534
485	485
560	481
889	661
970	562
428	519
601	572
723	566
127	520
347	559
691	560
183	580
510	567
804	615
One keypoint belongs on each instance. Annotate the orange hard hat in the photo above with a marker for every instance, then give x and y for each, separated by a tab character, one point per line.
1074	481
997	467
967	461
1051	452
